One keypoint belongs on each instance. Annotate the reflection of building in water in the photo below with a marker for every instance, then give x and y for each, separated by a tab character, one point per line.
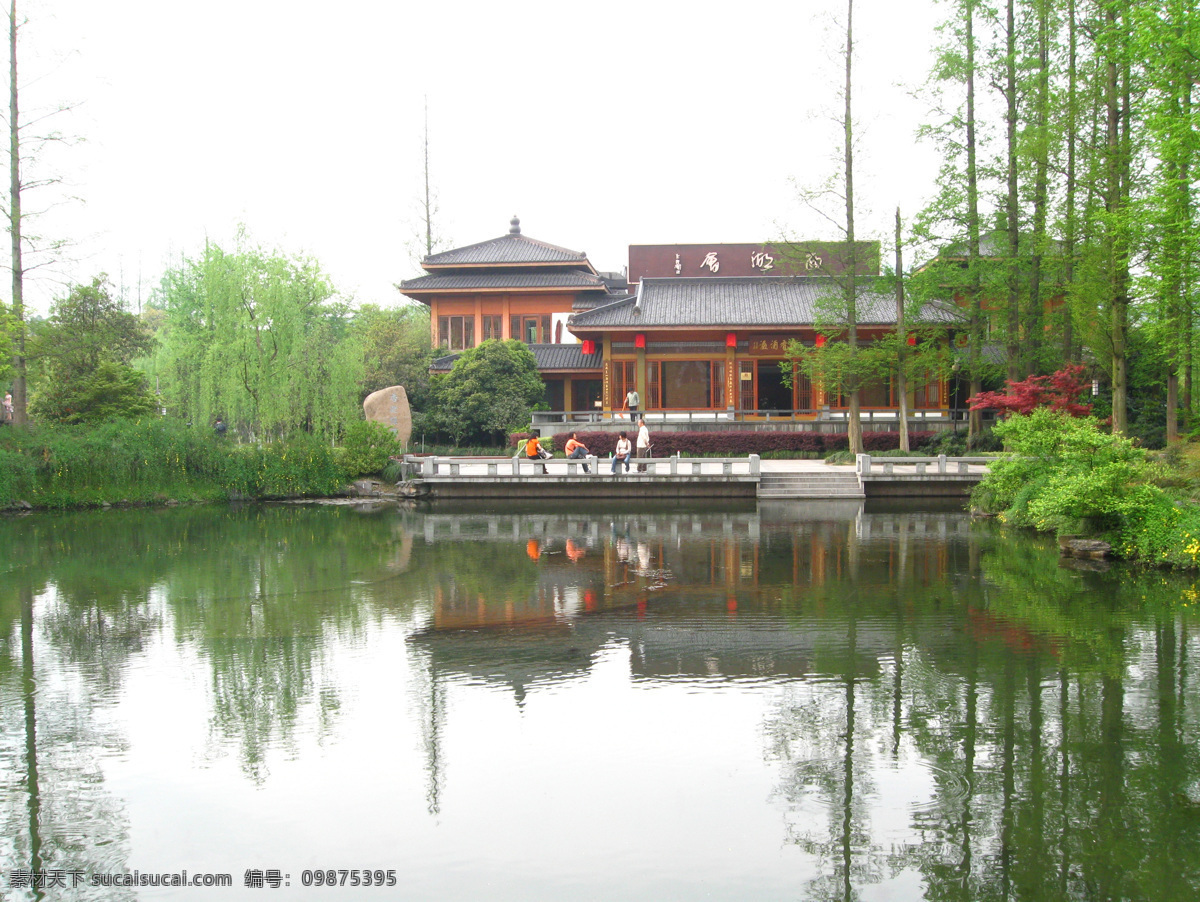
657	582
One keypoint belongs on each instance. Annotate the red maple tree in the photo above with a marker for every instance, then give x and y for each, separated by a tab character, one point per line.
1059	391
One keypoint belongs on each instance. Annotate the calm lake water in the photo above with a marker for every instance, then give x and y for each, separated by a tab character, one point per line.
795	701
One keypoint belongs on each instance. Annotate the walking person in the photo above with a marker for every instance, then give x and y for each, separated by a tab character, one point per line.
643	445
577	450
632	400
624	449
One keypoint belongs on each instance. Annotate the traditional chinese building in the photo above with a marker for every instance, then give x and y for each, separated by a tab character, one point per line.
518	287
700	331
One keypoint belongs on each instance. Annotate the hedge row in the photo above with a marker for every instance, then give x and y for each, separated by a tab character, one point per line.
737	444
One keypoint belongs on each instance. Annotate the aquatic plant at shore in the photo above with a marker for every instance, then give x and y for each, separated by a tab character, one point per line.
153	460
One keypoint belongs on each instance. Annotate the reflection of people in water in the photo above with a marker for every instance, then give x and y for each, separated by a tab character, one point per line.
574	552
533	549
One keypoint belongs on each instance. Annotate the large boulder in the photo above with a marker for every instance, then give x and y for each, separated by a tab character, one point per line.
390	407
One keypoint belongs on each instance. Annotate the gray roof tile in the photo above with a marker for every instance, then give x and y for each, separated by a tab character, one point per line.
483	281
549	357
738	302
507	250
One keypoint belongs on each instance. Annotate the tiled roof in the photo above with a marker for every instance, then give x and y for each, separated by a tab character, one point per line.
549	357
484	281
507	250
589	301
739	302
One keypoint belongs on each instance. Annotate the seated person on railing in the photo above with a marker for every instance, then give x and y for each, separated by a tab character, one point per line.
577	450
624	450
535	452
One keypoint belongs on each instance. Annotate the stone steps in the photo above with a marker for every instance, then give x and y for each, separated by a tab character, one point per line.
815	485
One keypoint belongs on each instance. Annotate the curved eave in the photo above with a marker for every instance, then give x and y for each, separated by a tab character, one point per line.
507	289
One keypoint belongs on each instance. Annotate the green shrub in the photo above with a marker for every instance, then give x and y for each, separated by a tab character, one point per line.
366	448
1067	476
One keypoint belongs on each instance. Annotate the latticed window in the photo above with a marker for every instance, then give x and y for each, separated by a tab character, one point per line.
456	332
622	380
746	385
928	391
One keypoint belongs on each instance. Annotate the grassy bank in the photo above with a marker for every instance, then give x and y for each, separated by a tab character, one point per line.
155	460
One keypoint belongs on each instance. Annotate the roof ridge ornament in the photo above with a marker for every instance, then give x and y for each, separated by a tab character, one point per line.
514	226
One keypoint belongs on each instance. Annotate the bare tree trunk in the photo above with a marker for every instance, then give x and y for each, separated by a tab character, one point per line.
854	423
901	376
1013	348
20	399
1034	328
1068	335
1115	100
428	201
975	351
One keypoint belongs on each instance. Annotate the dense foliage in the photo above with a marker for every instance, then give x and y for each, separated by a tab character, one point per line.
490	391
259	339
1060	391
367	447
396	350
1066	476
153	460
81	359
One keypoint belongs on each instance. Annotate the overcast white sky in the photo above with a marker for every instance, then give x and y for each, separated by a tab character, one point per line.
600	125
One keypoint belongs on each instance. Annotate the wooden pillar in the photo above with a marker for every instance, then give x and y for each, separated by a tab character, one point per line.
639	377
731	377
606	375
478	320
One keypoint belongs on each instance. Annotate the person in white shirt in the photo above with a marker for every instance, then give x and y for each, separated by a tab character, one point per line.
632	400
643	445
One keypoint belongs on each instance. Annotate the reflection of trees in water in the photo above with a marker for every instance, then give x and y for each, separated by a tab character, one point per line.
1058	732
54	810
258	590
823	744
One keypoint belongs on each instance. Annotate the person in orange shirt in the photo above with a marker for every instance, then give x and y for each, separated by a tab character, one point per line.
577	450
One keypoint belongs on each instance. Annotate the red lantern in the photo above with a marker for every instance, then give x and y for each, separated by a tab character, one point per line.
589	347
639	340
912	339
731	340
820	341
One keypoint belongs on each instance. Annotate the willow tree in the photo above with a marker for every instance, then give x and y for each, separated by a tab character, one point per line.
260	339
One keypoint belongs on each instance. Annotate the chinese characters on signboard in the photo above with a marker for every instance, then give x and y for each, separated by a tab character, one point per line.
762	261
770	345
710	262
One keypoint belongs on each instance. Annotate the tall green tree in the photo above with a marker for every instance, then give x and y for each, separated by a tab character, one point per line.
259	338
81	358
396	349
491	390
952	219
